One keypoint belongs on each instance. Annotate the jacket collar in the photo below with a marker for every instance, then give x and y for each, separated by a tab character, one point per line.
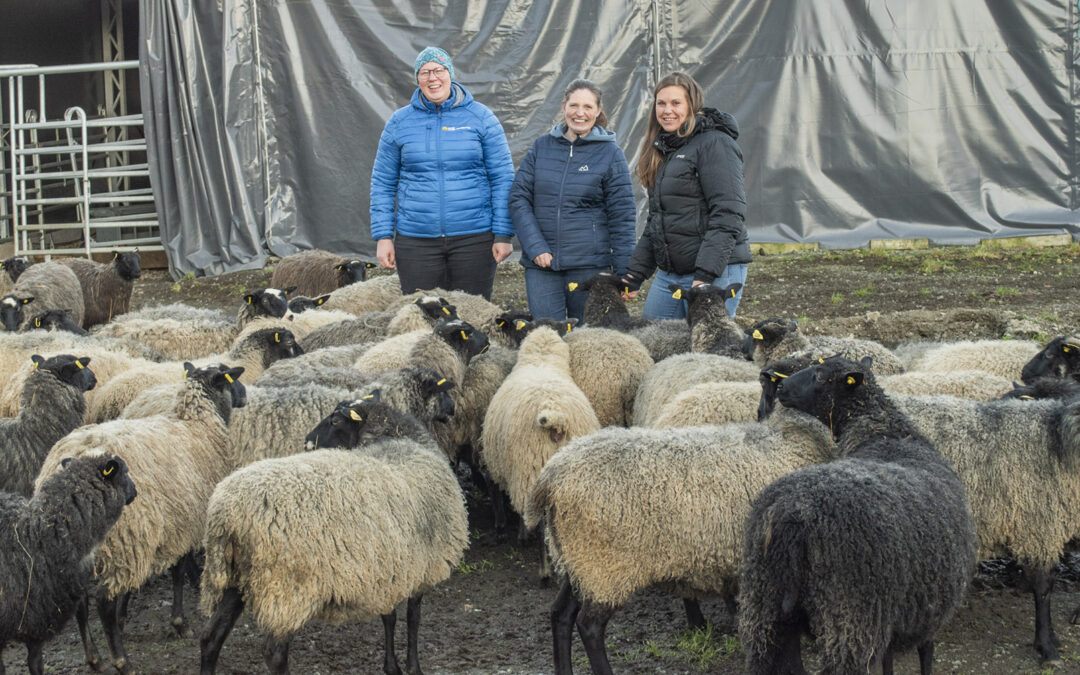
597	133
459	95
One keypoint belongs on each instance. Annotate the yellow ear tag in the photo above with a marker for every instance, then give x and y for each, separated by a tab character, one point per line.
464	336
446	311
355	416
228	378
572	285
850	380
37	323
249	300
501	323
733	294
368	397
107	471
1066	349
1025	397
519	324
115	255
780	375
821	360
569	327
277	337
626	289
35	366
677	294
81	366
757	335
440	382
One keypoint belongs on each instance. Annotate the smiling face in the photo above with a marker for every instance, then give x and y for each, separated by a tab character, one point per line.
579	111
672	107
434	81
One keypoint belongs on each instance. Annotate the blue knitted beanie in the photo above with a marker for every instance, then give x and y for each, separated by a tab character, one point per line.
429	55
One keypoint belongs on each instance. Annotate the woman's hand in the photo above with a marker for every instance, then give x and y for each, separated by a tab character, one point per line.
384	253
501	251
543	260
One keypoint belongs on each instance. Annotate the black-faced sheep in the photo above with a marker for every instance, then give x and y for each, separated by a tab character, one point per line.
49	285
317	272
52	405
47	548
774	339
869	554
605	308
106	288
712	330
298	304
264	302
282	540
10	270
51	320
1060	358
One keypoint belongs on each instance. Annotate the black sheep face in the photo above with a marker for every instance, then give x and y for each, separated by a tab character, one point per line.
1060	358
435	391
822	388
113	471
766	333
601	280
69	369
15	267
1044	387
352	271
435	308
302	303
283	345
127	265
12	311
507	323
463	337
54	319
271	302
703	299
220	378
344	427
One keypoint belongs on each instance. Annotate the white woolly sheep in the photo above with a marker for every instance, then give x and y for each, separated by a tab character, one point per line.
1004	358
50	285
682	371
711	403
978	385
373	295
608	367
107	288
364	328
317	272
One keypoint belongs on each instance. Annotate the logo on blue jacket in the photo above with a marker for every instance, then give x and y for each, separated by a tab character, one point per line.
583	167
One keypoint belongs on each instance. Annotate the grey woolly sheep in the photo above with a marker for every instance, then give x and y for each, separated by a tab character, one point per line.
711	403
682	371
176	337
608	367
281	540
869	554
300	325
107	288
51	320
317	272
1060	358
374	295
176	459
978	385
298	304
47	547
712	330
1004	358
483	377
631	508
473	309
363	328
604	308
10	270
428	349
774	339
329	366
50	285
175	310
537	410
52	405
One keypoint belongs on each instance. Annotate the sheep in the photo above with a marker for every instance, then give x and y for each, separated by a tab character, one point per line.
1004	358
536	411
514	330
52	320
175	337
608	367
1045	387
869	554
253	353
300	325
47	547
774	339
427	348
329	366
473	309
52	405
12	268
281	539
974	384
317	272
712	330
674	374
269	302
175	310
298	304
50	285
176	459
107	288
1060	358
631	508
711	403
373	295
421	314
368	327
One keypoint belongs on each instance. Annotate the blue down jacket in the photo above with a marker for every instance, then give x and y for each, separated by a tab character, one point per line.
574	201
441	170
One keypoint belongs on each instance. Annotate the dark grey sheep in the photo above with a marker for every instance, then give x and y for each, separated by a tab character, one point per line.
605	308
106	288
52	320
1060	358
774	339
49	285
869	554
318	272
712	330
47	545
52	404
11	269
1045	387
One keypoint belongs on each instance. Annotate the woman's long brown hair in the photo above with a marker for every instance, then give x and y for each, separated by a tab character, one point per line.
650	160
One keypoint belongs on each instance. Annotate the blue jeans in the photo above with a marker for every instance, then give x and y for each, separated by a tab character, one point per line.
660	305
548	296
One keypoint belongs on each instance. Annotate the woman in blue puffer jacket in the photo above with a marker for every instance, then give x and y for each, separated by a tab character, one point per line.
440	185
572	205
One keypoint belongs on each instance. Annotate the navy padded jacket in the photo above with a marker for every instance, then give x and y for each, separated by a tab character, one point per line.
574	201
441	170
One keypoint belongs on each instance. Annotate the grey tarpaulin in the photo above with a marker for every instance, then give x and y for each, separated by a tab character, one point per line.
949	119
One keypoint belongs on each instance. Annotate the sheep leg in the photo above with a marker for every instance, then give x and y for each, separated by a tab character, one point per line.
34	662
82	620
926	657
221	623
109	612
179	621
591	624
545	557
563	613
887	661
2	671
412	625
276	654
498	507
1042	584
390	664
694	617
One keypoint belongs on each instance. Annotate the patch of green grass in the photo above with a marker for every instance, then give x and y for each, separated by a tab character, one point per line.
473	567
836	298
1003	291
925	291
864	291
932	264
190	276
703	650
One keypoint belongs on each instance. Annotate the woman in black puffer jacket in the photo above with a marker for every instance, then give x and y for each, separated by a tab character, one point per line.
693	171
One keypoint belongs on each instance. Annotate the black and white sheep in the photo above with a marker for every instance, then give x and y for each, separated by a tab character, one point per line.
52	405
318	272
298	304
106	288
374	295
774	339
337	535
264	302
47	548
869	554
49	285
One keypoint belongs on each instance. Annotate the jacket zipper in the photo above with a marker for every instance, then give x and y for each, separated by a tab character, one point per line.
558	210
438	153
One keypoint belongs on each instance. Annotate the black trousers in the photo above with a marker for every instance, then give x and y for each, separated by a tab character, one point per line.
462	263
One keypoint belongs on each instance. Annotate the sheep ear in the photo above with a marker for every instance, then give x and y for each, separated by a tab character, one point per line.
38	360
27	300
65	461
520	324
373	396
355	416
288	290
110	468
232	374
733	290
1017	385
81	363
369	265
867	362
464	336
321	299
853	379
249	298
189	368
37	322
339	267
417	301
115	255
757	335
448	310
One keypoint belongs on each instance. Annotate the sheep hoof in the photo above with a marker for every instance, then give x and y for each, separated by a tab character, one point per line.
1052	663
96	664
180	625
1074	618
122	666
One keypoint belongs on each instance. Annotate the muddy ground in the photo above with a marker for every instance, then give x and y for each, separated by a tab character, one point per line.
492	615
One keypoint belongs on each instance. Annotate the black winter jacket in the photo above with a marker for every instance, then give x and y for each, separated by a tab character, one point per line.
697	205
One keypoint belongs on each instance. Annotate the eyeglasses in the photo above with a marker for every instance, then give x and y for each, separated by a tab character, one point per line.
431	74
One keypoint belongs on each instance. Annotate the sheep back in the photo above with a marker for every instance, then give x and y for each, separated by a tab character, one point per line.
672	375
711	403
373	295
312	272
105	294
54	286
608	367
1004	358
977	385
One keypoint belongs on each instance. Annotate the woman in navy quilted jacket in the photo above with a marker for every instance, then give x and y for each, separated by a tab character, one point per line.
440	185
572	205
